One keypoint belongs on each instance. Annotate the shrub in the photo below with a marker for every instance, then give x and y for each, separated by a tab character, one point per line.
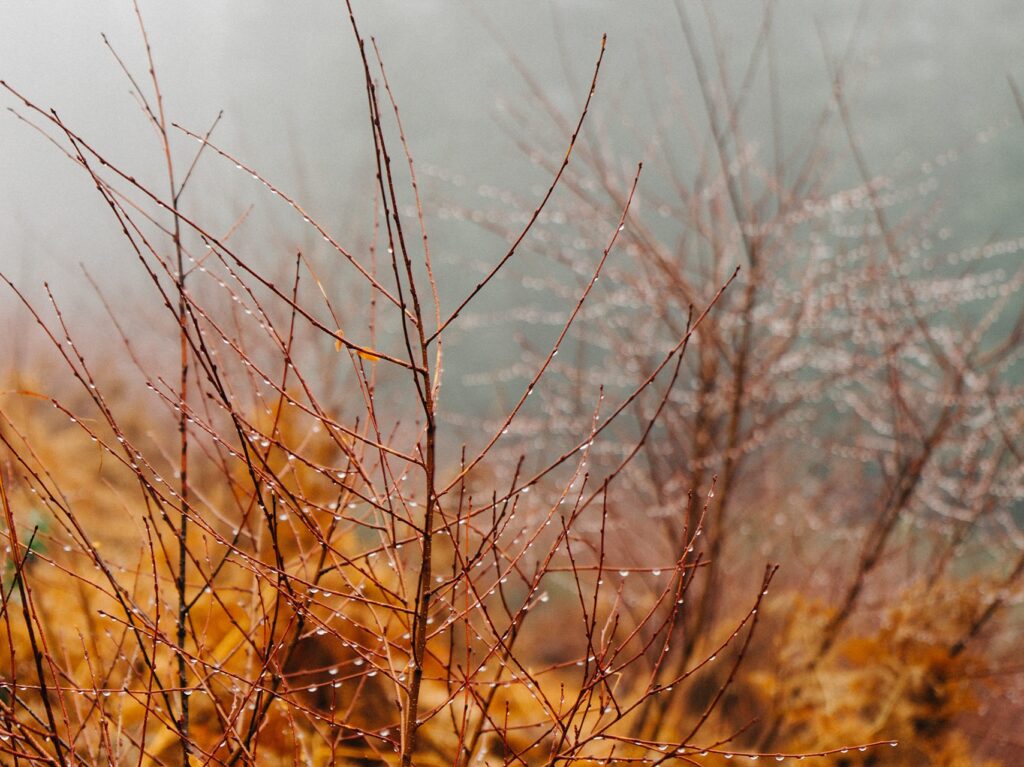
263	541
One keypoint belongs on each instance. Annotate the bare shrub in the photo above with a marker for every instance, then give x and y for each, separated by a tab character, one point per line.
850	408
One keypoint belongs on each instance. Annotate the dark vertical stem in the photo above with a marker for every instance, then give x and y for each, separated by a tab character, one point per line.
182	319
26	611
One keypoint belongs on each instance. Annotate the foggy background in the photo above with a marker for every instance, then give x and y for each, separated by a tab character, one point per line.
925	77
